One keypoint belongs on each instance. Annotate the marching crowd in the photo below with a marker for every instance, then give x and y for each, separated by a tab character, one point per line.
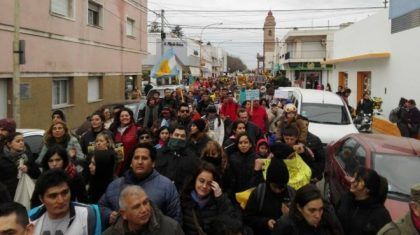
205	161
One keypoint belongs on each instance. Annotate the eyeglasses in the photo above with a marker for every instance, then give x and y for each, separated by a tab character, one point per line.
184	111
144	137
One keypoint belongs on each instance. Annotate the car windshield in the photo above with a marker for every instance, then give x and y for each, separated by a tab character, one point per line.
400	171
325	113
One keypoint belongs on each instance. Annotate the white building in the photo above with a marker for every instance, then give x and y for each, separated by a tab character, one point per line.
381	55
300	53
187	50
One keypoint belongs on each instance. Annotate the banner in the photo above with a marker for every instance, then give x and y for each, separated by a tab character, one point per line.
252	94
167	66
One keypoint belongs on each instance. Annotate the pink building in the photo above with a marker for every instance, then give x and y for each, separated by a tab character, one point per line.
79	56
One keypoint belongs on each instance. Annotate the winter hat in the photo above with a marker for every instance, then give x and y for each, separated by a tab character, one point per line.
281	151
59	113
200	124
8	124
261	142
277	172
211	108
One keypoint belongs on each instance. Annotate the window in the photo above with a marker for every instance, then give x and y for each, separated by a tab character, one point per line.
60	91
326	113
346	156
130	27
63	7
94	14
94	88
270	33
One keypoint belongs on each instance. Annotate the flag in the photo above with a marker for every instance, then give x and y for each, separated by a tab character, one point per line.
166	66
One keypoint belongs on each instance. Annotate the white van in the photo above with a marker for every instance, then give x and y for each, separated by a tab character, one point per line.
329	118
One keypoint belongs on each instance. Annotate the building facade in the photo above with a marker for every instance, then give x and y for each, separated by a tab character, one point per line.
383	63
300	53
79	56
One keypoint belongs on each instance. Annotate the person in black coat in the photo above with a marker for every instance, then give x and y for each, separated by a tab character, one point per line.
229	145
242	164
56	157
205	208
308	214
15	153
175	161
101	170
361	210
198	137
270	200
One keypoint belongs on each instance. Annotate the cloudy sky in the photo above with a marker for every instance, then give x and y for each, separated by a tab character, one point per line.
241	33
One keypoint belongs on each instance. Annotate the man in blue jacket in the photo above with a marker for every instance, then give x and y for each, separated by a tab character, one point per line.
161	191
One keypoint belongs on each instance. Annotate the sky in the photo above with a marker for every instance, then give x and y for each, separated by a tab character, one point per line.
241	33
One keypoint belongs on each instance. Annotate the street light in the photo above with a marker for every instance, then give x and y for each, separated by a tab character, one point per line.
201	40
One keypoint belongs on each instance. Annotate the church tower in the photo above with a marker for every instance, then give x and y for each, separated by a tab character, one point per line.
269	41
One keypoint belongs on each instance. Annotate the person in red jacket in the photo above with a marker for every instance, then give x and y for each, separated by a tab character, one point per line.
125	133
229	108
259	116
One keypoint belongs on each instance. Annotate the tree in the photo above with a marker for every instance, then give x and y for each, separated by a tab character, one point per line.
178	31
154	28
235	64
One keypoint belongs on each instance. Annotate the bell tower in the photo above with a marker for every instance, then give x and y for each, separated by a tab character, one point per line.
269	41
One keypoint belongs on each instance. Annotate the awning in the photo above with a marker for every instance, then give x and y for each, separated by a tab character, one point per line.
379	55
195	71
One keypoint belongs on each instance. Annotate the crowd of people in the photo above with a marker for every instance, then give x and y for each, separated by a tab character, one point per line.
198	162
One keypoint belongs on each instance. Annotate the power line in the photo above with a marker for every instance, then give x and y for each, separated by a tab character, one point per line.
277	10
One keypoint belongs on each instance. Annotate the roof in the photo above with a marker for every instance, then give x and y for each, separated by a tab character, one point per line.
379	55
389	144
319	97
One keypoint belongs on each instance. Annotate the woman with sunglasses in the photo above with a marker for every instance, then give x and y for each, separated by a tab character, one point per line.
361	210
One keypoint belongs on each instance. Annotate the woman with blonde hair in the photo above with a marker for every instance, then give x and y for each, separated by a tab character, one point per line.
58	134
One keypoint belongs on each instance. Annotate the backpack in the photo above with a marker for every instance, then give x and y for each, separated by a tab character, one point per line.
393	115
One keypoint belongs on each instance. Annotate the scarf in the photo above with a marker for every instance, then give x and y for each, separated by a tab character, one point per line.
201	202
416	221
15	156
71	170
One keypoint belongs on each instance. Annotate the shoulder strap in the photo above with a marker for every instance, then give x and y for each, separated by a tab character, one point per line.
260	195
197	225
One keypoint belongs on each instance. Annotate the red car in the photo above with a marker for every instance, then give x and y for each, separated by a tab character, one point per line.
395	158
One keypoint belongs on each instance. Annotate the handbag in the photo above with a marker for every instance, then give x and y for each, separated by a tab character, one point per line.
24	191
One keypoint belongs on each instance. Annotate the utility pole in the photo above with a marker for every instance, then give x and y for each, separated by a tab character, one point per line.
162	32
16	65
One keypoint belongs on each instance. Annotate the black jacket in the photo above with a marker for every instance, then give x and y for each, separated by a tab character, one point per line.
9	169
318	165
257	217
218	212
292	225
242	166
178	166
365	105
197	146
361	217
254	132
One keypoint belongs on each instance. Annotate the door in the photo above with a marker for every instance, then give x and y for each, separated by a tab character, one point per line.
342	79
3	98
363	84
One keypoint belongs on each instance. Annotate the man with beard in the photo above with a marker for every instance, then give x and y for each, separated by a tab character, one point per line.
183	116
168	101
175	161
204	102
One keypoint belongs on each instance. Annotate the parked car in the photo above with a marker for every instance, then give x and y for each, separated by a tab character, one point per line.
34	138
329	118
395	158
137	106
161	89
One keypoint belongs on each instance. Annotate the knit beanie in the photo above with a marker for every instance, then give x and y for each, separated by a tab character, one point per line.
277	172
8	124
200	123
281	150
59	113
